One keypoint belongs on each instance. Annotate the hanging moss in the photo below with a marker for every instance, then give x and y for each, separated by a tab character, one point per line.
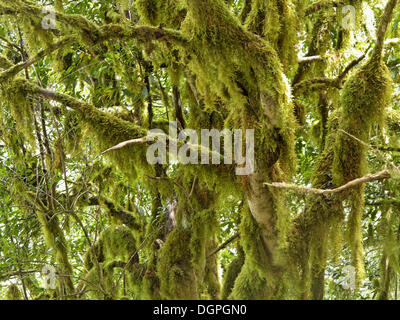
389	241
183	268
115	248
393	121
106	130
21	109
317	229
232	273
177	277
13	293
275	21
364	99
118	243
167	12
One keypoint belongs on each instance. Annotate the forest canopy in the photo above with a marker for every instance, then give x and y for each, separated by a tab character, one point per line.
199	149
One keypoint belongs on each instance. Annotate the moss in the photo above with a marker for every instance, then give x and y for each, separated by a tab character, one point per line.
204	225
317	230
13	293
355	232
276	22
256	280
211	287
182	266
393	121
250	285
177	277
21	109
116	247
366	96
106	131
232	273
167	12
118	242
54	238
252	86
364	99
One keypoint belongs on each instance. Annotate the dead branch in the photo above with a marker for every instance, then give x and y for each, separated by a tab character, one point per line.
381	175
125	144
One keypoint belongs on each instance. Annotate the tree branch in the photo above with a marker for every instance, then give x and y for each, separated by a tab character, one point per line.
125	217
322	5
381	31
90	32
224	245
125	144
12	71
337	82
382	175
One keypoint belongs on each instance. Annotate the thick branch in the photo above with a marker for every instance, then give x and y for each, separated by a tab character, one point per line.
125	217
89	31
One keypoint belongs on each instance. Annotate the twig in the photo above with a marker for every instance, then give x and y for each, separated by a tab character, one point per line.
337	82
17	273
224	245
351	66
11	44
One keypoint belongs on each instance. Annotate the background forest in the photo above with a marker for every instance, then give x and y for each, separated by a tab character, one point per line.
318	81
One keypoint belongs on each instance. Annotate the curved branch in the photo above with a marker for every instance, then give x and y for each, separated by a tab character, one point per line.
336	83
382	175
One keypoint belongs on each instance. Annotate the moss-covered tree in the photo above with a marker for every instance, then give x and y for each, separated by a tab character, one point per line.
82	84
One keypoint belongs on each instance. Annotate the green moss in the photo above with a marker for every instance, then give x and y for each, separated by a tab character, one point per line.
355	232
365	97
116	247
21	109
167	12
393	121
13	293
211	277
232	273
255	280
105	130
276	22
317	229
118	243
177	277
